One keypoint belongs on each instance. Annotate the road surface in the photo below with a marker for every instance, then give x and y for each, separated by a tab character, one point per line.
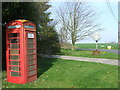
106	50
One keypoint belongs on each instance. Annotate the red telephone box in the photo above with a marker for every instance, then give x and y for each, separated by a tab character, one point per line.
21	51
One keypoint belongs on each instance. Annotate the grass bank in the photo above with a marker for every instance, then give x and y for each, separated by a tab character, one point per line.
59	73
86	53
100	45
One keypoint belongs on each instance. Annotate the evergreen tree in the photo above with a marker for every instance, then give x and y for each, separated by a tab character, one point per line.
47	38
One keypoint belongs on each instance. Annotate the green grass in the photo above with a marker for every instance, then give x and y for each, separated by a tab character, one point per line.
93	46
59	73
86	53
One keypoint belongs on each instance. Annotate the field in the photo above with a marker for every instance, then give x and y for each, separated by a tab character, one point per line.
100	45
60	73
86	53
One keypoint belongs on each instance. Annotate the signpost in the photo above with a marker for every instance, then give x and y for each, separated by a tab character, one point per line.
96	37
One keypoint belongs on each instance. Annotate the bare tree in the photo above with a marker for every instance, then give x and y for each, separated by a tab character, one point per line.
77	19
63	36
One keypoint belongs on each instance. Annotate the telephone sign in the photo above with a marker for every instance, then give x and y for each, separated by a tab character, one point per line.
15	26
32	27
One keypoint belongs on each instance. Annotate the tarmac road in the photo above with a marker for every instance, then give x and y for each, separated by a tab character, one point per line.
106	50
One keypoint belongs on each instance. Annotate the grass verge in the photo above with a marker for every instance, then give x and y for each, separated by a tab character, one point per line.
100	45
59	73
86	53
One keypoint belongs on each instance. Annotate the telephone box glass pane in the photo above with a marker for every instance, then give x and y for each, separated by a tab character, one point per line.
30	56
14	68
31	67
30	40
14	35
14	51
16	74
30	46
30	51
14	46
14	57
31	73
14	40
14	62
30	62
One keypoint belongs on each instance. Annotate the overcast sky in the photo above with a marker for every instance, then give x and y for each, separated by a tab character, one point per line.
110	25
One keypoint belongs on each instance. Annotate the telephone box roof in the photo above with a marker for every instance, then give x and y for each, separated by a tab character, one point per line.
22	20
27	24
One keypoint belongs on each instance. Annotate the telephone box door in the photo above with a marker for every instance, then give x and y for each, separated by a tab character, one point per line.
31	55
